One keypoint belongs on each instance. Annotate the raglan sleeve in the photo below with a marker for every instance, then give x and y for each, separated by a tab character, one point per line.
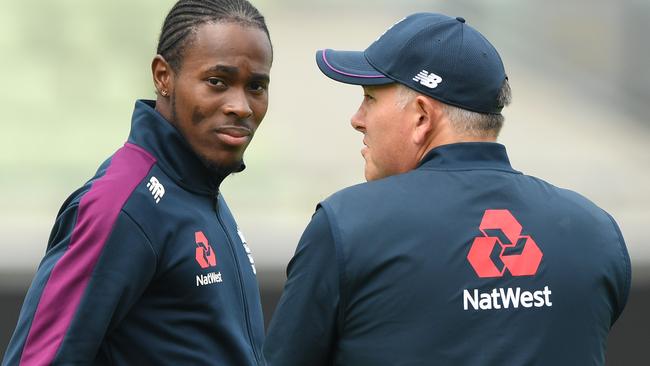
91	275
303	328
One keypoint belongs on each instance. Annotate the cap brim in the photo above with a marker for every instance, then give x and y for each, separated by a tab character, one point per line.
350	67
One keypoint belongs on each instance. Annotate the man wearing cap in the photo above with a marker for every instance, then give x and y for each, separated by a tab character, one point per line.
447	255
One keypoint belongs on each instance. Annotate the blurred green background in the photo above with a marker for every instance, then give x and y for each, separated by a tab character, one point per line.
72	69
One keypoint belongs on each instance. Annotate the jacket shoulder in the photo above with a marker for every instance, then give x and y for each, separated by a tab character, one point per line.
362	194
572	200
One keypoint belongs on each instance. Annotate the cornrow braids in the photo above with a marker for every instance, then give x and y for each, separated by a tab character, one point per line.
186	15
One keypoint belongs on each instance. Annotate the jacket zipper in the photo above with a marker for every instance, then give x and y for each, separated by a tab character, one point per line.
239	277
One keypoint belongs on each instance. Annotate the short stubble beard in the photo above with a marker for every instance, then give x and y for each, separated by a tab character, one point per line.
215	169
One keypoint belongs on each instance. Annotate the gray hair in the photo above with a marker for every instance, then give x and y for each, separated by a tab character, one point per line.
464	122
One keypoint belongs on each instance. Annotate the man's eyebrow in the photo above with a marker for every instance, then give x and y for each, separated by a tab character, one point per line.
224	69
260	77
233	70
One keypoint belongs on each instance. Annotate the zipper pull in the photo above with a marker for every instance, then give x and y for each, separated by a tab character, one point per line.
216	201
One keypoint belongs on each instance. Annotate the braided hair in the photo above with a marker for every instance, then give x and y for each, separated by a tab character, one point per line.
186	15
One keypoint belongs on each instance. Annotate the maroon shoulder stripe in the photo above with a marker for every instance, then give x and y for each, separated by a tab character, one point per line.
98	211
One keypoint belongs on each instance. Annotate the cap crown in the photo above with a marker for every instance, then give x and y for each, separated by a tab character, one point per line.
441	57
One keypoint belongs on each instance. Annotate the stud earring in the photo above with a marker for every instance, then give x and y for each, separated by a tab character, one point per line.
163	93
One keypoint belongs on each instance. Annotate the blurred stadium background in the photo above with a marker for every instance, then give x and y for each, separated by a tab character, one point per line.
72	69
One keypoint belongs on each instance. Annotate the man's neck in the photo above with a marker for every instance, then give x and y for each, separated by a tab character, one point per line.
447	139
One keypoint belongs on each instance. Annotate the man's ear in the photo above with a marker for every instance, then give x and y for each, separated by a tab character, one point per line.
163	76
428	113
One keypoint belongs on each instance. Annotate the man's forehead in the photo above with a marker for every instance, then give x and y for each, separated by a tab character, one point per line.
370	88
228	48
228	38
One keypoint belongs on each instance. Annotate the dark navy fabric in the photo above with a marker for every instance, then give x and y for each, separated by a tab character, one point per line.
148	299
434	54
382	274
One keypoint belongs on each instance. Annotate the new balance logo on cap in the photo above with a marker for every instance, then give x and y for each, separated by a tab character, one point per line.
156	188
430	80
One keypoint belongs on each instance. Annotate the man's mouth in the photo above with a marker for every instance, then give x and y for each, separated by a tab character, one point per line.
364	149
234	135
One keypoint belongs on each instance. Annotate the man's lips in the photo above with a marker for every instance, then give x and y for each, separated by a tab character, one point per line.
234	135
235	131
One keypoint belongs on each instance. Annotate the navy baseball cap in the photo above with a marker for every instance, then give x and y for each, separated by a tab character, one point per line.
434	54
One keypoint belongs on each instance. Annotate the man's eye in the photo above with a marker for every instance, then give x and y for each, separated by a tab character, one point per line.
258	87
216	82
368	97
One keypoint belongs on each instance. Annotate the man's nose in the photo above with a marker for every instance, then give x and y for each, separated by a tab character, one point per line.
357	121
238	104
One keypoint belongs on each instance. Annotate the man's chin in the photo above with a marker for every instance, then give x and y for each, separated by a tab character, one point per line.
222	169
369	175
372	173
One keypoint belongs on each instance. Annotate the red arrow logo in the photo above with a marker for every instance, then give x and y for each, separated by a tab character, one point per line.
502	246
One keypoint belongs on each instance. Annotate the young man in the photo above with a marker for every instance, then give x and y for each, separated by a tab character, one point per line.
145	264
447	256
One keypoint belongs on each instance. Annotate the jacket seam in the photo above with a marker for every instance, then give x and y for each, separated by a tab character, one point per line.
340	260
469	169
628	268
137	224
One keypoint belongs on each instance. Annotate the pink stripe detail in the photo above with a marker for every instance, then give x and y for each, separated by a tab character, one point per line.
346	73
97	213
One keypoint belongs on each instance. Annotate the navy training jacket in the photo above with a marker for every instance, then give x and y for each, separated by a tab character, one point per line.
145	265
462	261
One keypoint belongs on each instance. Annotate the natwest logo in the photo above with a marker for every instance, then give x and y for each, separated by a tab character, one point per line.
204	254
502	246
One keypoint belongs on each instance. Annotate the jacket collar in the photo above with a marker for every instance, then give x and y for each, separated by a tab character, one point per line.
151	131
467	155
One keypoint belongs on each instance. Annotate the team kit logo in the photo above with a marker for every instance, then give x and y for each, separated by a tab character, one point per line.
428	79
504	251
156	188
207	258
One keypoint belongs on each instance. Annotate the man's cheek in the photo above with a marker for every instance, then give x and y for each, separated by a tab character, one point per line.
197	116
